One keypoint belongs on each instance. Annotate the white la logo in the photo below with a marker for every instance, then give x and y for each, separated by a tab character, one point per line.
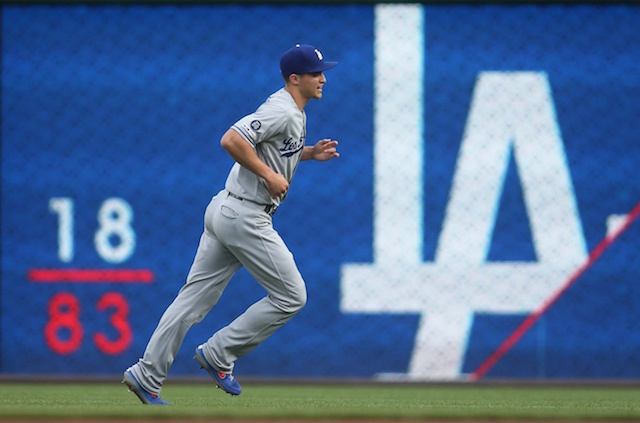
318	53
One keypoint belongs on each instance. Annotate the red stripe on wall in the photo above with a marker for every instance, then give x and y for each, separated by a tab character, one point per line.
90	276
533	317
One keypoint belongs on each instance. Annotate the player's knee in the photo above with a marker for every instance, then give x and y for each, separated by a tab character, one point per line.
299	300
294	301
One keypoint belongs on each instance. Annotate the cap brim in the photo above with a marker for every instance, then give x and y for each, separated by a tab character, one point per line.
324	66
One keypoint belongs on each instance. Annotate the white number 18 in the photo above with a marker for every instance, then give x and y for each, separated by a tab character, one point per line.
114	240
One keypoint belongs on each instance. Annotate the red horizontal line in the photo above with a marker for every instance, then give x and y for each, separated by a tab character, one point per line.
90	275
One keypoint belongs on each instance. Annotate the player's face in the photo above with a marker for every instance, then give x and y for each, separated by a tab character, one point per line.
311	84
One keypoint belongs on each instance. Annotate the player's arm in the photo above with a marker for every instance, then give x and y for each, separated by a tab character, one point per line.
323	150
243	153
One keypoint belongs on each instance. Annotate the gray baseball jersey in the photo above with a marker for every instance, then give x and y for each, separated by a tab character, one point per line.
277	131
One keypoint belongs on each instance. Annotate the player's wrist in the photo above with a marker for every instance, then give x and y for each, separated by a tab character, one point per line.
308	153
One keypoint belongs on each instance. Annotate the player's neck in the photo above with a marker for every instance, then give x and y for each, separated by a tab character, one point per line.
299	99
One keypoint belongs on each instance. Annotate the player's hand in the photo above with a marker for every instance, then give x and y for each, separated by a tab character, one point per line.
277	185
325	150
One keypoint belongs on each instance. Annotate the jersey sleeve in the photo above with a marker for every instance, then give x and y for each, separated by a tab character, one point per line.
263	124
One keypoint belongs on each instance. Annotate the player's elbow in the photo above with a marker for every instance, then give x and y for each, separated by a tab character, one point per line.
227	140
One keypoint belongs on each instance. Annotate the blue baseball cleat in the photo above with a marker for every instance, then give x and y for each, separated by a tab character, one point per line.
135	387
225	381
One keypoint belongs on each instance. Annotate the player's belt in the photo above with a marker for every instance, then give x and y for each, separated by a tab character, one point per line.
269	209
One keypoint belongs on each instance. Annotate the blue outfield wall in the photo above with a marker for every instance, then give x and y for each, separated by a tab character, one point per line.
485	151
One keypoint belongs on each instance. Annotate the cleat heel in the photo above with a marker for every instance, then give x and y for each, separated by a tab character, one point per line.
144	396
224	381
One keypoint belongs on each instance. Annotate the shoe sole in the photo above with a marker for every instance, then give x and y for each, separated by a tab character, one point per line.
132	384
205	365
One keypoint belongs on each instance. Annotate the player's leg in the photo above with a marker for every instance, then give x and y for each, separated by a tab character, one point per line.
212	268
267	258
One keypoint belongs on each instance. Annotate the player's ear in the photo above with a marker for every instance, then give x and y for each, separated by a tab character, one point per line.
294	79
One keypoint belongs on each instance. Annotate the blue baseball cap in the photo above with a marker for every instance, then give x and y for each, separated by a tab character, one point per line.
303	58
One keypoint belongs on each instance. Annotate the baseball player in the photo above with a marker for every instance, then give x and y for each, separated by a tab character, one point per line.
267	146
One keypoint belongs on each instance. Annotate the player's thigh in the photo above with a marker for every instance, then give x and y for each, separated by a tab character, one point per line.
272	264
213	263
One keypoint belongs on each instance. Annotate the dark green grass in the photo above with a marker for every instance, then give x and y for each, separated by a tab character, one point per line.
69	400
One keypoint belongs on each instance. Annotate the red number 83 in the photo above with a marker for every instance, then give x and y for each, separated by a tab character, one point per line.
64	315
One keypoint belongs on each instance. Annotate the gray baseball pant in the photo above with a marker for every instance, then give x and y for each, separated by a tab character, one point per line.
237	233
